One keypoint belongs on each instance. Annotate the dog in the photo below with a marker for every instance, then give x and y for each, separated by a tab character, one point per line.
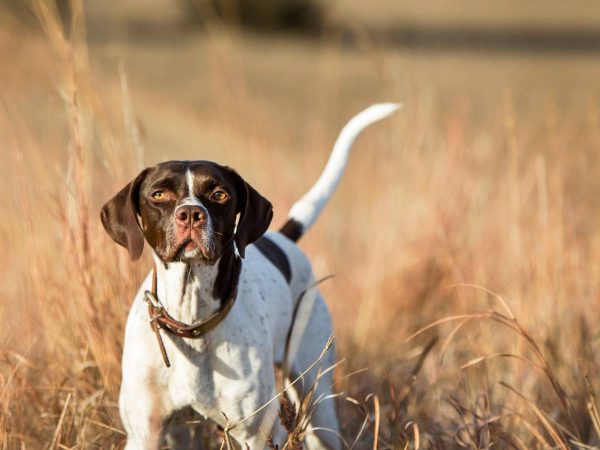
226	303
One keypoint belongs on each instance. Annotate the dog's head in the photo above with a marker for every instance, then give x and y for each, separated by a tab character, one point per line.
186	210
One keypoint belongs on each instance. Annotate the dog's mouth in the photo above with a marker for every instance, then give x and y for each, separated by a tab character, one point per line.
201	245
190	248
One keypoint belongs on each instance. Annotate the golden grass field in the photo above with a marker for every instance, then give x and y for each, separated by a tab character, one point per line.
475	209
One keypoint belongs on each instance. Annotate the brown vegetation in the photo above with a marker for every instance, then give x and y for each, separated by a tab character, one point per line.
475	210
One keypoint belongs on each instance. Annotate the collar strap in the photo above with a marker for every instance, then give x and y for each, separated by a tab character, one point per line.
161	319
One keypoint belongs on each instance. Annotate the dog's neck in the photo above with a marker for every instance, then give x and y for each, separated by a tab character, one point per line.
192	291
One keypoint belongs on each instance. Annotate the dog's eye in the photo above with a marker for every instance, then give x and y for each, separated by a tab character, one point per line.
219	196
159	196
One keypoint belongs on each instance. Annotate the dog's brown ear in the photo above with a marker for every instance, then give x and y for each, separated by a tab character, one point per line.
255	211
119	217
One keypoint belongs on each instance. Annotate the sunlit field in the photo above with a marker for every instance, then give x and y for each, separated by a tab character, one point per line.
464	239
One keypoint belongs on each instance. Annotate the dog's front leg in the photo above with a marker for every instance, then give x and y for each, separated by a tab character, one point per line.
143	415
259	429
257	438
246	403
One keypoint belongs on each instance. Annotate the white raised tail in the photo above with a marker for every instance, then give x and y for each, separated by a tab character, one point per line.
306	210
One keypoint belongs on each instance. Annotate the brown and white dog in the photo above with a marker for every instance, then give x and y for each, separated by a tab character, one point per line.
186	211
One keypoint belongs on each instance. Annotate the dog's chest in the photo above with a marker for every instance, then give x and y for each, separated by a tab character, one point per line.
218	371
226	367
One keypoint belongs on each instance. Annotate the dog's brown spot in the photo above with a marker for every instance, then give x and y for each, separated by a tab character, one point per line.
274	254
292	229
157	212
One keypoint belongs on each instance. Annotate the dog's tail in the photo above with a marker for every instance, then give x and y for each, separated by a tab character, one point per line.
306	210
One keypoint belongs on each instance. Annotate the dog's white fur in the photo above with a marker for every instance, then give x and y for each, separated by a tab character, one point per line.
307	209
228	374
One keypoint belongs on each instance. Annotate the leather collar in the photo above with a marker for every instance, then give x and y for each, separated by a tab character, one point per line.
161	319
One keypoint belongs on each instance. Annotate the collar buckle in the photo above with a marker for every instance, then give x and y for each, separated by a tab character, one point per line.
153	301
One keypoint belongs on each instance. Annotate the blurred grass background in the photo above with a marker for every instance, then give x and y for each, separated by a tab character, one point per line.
488	177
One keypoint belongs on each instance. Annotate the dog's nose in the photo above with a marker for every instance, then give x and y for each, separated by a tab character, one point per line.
190	215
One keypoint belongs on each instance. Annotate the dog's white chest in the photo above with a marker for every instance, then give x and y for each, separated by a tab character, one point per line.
221	372
220	375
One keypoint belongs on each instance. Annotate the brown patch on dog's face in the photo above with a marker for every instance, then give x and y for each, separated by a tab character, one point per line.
187	211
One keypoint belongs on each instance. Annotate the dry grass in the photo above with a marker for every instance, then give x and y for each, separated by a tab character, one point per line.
475	210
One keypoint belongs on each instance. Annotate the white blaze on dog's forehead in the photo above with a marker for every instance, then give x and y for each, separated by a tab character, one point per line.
191	199
189	176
